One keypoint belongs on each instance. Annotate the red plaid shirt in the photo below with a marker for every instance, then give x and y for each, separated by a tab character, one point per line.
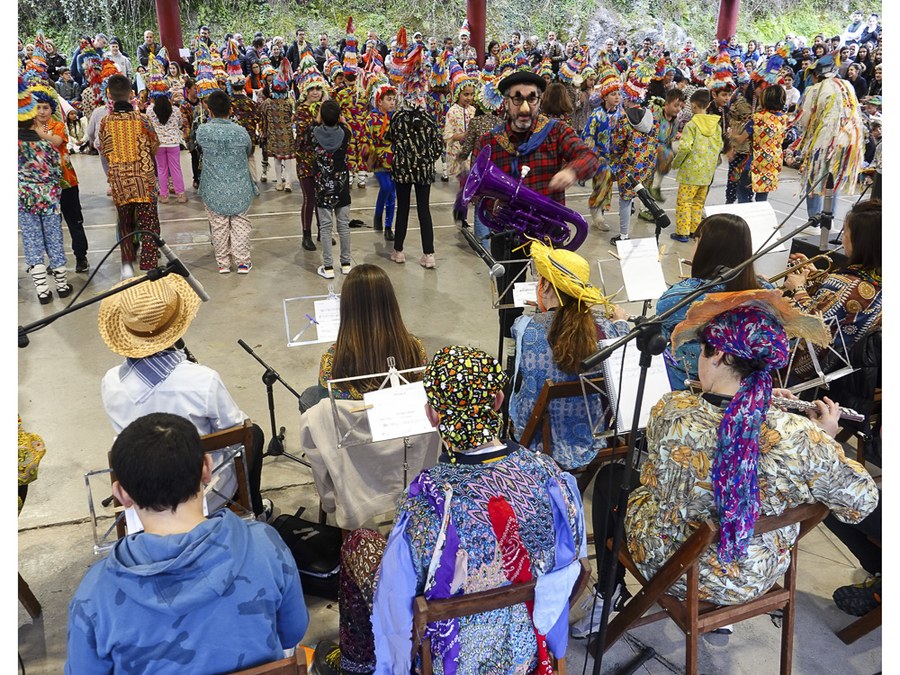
561	149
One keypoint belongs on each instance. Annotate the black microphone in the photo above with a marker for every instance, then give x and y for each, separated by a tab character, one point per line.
497	270
179	268
660	216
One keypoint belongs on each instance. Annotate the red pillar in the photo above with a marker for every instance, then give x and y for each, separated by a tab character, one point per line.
728	18
168	13
476	12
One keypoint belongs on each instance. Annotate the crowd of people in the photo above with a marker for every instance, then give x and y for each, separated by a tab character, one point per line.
490	511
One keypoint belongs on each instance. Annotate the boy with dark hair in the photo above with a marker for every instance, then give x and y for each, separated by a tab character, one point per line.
666	112
226	187
128	142
208	595
330	141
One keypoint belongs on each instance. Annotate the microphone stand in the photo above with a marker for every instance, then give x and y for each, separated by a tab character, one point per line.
269	378
650	342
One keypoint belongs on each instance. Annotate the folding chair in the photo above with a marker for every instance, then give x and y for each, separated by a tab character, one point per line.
694	617
292	665
540	421
241	434
427	611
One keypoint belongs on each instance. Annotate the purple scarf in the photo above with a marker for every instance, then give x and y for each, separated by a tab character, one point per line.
749	333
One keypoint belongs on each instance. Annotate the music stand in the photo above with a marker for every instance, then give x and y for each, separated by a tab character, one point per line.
325	317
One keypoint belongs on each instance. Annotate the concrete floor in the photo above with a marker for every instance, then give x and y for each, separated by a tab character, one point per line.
59	375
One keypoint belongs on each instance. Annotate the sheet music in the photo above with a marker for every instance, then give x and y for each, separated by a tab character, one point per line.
524	293
641	269
328	318
397	412
656	385
760	219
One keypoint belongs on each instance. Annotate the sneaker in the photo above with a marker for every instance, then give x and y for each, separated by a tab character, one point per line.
327	658
267	512
388	234
427	261
287	187
325	272
197	183
164	199
346	267
224	269
444	178
646	215
244	269
657	194
592	606
81	264
262	179
280	186
598	220
398	257
181	199
127	271
361	182
859	599
618	237
683	238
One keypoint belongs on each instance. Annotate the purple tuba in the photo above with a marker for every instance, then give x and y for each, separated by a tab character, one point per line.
521	209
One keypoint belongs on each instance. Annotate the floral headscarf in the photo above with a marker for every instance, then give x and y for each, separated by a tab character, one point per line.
461	384
750	333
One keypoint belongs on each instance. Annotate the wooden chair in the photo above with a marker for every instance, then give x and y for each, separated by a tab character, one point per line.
241	434
694	617
426	611
292	665
540	422
29	602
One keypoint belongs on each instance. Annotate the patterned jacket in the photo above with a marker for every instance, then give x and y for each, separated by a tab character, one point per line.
416	144
635	155
245	112
560	149
304	119
798	464
39	175
698	151
129	144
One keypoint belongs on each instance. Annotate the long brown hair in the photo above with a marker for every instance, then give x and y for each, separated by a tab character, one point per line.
724	240
864	225
573	334
556	101
371	329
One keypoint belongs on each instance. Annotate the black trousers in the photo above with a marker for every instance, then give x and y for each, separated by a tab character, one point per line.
254	468
423	211
70	205
196	164
603	515
856	538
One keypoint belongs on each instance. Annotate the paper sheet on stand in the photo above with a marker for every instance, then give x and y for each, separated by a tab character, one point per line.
656	385
328	318
641	269
760	219
396	412
524	293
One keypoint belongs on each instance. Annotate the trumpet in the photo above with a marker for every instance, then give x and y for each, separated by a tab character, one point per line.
815	277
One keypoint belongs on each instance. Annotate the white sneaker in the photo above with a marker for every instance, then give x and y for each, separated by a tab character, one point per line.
325	272
127	271
598	220
592	606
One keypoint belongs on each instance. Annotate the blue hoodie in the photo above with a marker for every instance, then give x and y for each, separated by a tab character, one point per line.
222	597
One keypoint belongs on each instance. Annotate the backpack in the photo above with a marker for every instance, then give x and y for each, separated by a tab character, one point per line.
316	548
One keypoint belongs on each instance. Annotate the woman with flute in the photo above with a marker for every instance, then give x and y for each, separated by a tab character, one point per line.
852	295
727	455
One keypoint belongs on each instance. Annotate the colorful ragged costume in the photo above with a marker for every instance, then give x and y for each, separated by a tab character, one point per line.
767	134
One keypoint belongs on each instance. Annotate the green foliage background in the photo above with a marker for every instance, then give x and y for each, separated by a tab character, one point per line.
766	20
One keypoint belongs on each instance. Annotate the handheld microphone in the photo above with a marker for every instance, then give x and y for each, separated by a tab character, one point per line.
179	268
497	270
660	216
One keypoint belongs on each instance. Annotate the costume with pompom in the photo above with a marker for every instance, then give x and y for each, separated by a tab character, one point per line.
597	134
458	120
354	108
277	113
634	144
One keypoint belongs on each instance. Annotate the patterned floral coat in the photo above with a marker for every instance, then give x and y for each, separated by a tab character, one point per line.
304	119
245	112
634	154
129	143
767	133
355	113
277	127
39	175
798	464
458	120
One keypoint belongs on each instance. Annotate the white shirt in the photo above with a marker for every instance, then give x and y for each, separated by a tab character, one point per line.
792	96
192	391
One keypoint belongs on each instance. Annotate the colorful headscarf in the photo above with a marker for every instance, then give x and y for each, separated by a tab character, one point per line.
461	384
750	333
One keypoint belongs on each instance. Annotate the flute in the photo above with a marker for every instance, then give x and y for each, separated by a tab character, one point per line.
797	405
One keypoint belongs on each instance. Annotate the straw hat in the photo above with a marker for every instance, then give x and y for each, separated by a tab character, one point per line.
147	318
567	272
795	323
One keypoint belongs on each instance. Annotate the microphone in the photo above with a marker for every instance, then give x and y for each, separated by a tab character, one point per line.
179	268
497	270
660	216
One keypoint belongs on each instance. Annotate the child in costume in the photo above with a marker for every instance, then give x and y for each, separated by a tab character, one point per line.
48	116
634	142
226	187
244	110
596	134
39	193
458	119
384	99
666	112
438	100
168	125
129	143
312	92
696	161
331	176
354	107
277	113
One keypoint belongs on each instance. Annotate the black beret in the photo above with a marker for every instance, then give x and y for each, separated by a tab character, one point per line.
522	77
